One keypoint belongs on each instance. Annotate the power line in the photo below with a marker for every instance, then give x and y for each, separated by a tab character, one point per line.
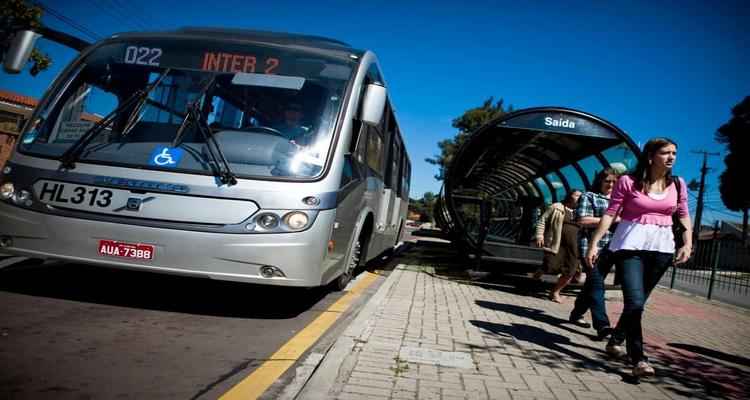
128	9
116	15
110	14
80	28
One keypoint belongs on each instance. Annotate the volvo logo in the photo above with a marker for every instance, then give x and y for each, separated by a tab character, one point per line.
134	204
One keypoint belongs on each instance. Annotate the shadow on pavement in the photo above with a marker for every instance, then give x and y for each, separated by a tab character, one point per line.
556	345
522	285
693	375
119	287
681	368
731	358
536	315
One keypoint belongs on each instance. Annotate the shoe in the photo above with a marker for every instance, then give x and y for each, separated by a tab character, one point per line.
643	369
579	322
615	350
604	333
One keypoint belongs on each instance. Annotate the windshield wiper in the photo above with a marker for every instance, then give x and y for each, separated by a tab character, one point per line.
68	159
194	114
186	121
225	174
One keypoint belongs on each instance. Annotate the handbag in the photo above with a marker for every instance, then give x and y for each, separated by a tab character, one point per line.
677	227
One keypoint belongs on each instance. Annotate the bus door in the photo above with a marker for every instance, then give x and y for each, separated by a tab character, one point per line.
395	181
390	188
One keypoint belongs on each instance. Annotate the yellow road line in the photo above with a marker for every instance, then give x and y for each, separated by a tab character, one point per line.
262	378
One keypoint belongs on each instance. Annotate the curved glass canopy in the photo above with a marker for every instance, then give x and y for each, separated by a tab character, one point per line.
515	166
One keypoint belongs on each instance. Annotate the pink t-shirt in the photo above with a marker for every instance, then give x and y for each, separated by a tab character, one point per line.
640	208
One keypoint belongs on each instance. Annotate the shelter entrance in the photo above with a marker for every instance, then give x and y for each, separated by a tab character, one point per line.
513	167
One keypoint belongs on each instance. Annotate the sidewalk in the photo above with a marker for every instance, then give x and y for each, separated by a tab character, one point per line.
427	336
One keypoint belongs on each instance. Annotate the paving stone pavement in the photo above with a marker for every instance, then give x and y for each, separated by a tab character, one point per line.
521	346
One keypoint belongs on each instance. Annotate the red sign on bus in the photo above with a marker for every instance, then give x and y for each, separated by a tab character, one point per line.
228	62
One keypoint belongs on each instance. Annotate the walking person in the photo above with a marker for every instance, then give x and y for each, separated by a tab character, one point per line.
591	207
557	233
643	243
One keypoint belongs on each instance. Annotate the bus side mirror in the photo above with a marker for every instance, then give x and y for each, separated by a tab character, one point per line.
19	51
373	104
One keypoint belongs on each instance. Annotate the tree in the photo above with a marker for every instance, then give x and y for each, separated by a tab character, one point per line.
424	206
733	187
16	15
466	124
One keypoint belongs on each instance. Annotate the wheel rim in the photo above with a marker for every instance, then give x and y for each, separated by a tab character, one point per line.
354	260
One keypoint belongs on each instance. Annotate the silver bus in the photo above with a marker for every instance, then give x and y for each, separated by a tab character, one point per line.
237	155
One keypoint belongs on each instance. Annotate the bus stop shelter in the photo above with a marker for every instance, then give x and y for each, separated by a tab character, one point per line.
515	166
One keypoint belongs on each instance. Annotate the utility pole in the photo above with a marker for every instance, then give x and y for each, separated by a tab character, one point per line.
699	210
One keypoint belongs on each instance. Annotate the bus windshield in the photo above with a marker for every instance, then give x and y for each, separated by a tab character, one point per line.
271	110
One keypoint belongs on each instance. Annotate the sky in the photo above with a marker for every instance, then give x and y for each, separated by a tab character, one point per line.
652	68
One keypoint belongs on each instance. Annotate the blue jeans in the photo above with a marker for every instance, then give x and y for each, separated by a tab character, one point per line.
641	271
592	294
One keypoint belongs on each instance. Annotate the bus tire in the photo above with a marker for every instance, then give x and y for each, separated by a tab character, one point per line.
352	262
398	235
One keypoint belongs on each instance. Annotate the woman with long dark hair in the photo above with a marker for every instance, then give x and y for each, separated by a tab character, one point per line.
643	243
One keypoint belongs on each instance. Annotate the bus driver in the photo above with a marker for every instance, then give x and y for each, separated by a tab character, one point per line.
292	126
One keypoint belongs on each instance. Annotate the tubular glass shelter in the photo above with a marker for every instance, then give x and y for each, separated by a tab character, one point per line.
515	166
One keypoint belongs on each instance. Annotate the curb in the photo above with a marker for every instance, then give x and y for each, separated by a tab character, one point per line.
340	358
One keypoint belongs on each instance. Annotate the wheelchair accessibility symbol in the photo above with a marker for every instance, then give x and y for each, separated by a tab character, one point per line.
166	157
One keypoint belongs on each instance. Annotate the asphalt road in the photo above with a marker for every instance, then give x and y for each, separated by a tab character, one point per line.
71	331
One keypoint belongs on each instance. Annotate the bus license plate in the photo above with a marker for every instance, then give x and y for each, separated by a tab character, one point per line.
114	248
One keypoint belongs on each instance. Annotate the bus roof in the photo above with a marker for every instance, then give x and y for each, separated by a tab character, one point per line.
252	36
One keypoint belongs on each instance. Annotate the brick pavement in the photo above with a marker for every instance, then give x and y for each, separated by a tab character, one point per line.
520	346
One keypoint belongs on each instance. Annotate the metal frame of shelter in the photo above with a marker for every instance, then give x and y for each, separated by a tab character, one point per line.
513	166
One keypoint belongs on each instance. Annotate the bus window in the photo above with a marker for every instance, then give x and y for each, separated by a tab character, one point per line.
373	75
361	147
406	177
244	108
394	165
349	173
375	151
81	110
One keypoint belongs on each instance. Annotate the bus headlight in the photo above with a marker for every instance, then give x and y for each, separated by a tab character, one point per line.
6	191
296	220
267	221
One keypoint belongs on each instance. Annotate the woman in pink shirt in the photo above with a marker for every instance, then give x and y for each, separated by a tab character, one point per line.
643	243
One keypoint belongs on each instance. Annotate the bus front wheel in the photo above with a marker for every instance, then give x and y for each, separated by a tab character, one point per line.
351	266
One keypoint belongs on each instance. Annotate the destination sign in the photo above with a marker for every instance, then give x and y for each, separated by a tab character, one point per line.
249	63
225	59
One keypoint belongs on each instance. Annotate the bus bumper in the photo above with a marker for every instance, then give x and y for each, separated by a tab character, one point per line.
301	256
